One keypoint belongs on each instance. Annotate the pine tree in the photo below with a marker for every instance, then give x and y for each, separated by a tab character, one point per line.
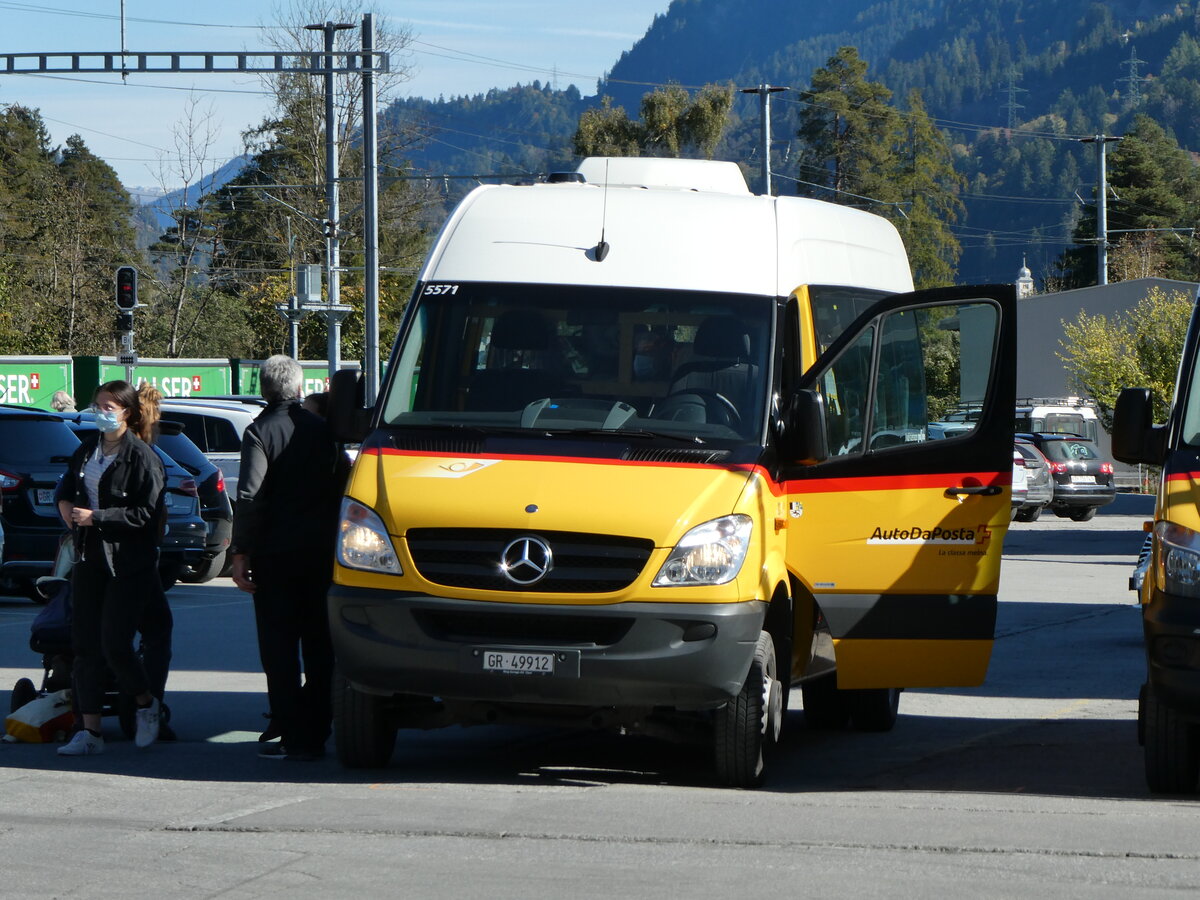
66	227
929	186
1155	187
850	132
673	123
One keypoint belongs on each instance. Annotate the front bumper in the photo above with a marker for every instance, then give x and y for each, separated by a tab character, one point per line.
1170	625
622	656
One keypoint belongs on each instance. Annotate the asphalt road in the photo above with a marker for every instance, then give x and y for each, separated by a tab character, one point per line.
1031	784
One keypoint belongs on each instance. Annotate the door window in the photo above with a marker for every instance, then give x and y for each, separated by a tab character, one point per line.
932	367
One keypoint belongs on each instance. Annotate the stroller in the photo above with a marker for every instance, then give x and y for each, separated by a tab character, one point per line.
50	636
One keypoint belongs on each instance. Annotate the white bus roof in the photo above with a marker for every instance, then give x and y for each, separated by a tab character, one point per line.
674	224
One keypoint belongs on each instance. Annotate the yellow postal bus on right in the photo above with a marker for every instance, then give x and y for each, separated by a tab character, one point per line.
1169	702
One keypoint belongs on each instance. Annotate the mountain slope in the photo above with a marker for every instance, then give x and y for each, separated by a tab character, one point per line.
1060	69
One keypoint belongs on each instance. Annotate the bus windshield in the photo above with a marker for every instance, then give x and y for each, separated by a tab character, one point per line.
584	359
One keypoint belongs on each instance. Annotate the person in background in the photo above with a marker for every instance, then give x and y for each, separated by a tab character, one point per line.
112	496
62	402
284	529
318	403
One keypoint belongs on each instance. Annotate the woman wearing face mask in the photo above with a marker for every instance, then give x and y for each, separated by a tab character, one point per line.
113	501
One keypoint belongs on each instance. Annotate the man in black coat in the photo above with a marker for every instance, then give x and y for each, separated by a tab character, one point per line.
289	489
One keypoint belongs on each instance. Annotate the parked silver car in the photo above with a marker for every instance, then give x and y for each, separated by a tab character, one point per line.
1039	485
216	427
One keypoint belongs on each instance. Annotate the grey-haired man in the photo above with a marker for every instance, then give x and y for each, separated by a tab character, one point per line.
289	487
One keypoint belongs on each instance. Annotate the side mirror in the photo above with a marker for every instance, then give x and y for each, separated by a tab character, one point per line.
1135	437
805	438
347	418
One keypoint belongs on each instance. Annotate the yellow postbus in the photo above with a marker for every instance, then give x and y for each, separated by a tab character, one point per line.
1169	701
650	452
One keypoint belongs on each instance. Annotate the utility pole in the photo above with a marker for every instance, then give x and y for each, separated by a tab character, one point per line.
1101	142
764	92
370	218
334	313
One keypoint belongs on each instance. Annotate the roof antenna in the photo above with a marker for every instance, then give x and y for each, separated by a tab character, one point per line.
601	249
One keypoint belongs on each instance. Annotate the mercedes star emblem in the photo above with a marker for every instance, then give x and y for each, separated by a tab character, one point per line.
526	560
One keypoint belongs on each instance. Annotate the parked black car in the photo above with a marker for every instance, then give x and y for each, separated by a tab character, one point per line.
185	544
215	506
34	449
1083	480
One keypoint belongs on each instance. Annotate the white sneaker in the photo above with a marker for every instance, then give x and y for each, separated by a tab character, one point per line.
147	724
83	744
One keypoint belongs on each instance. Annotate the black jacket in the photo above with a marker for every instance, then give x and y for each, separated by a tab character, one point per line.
289	485
131	512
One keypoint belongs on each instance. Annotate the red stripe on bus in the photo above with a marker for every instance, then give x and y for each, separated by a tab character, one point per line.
798	485
531	457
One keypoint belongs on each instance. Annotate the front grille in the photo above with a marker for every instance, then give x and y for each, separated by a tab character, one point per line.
583	563
469	446
675	455
523	628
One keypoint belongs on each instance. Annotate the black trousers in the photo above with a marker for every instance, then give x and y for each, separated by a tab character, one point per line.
157	627
106	613
293	638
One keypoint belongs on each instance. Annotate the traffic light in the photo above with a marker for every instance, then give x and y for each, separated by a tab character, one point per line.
125	321
126	288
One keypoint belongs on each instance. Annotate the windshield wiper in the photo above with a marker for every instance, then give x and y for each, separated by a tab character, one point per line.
562	432
623	432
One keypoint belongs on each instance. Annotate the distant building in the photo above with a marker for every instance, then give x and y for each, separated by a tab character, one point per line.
1024	281
1040	371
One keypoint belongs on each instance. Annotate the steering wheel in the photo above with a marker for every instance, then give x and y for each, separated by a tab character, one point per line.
718	409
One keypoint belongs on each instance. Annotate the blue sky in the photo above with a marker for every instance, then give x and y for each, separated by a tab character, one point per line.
458	47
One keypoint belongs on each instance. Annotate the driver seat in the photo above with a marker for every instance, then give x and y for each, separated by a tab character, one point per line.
722	364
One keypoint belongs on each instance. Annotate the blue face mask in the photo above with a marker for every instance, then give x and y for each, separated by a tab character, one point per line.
107	422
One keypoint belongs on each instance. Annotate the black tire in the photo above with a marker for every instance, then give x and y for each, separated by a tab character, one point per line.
23	691
874	709
825	707
364	729
1083	515
747	728
1029	514
1172	749
203	572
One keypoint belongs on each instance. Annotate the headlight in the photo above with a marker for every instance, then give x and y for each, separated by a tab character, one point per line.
711	553
363	541
1178	559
